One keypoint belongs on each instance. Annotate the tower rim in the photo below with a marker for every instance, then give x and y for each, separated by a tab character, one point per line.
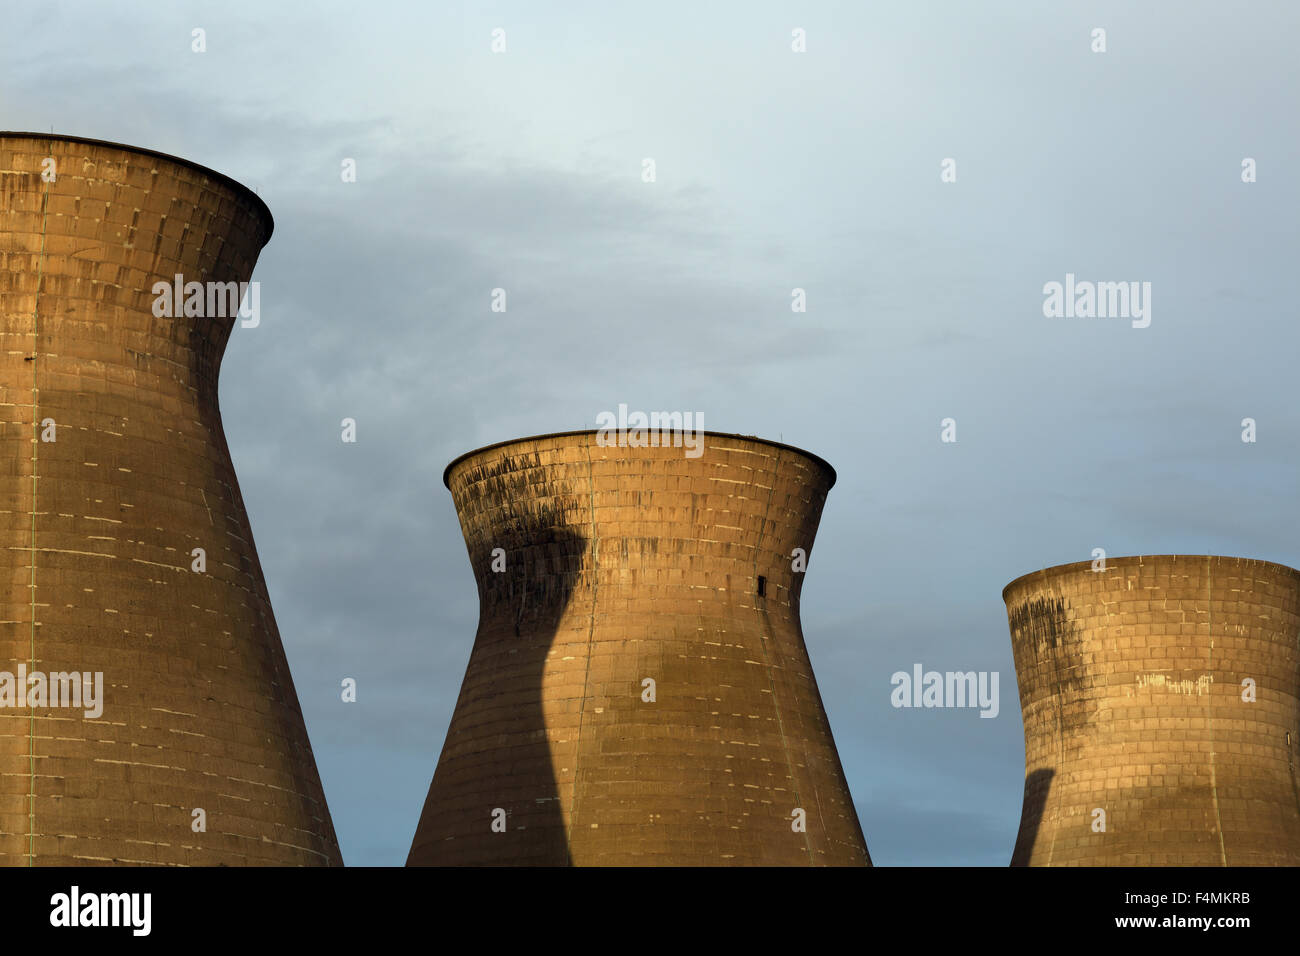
822	462
1059	570
263	209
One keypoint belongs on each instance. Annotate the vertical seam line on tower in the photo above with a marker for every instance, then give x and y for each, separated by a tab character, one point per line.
1058	694
36	444
1209	711
586	675
767	661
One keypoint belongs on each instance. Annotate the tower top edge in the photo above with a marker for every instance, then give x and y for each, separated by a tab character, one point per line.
587	432
1168	560
263	209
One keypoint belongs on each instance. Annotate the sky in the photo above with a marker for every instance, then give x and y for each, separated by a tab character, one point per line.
820	170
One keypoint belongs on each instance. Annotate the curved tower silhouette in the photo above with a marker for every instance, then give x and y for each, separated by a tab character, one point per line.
127	550
639	691
1162	719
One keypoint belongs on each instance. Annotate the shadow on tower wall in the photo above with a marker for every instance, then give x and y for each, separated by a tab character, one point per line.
1047	644
497	756
1037	787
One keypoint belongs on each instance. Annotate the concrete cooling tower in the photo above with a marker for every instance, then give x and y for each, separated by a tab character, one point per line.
147	714
1162	725
639	691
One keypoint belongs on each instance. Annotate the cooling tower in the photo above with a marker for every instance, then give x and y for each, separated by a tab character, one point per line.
639	691
1161	715
127	550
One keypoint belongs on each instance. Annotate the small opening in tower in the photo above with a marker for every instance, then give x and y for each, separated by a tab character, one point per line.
762	586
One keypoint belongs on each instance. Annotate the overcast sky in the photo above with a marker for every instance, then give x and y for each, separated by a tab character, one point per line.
774	170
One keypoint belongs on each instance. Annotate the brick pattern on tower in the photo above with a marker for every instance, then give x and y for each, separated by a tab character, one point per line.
1133	686
624	564
199	708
